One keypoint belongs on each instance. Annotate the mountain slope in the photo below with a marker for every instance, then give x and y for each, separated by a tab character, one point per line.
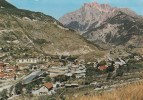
25	31
89	16
5	4
106	26
120	29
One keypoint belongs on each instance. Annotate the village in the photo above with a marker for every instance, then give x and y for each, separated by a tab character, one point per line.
45	75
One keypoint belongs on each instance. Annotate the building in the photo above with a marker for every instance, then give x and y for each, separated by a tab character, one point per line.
102	68
28	79
57	70
54	73
46	89
2	66
73	85
31	60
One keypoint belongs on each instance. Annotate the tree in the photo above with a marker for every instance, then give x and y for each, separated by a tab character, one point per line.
102	63
91	72
73	76
120	71
18	88
47	79
3	94
38	81
111	67
29	88
62	78
10	90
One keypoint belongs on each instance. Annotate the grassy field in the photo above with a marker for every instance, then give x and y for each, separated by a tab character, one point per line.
132	91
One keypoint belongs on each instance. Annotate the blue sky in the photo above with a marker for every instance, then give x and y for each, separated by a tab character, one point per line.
58	8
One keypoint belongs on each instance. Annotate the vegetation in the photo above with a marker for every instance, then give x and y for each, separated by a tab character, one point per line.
47	79
102	63
29	88
18	88
91	73
3	94
129	92
61	78
40	41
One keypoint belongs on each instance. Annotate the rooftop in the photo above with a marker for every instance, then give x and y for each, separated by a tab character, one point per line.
48	85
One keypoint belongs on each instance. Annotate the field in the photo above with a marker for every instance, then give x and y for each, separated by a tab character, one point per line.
132	91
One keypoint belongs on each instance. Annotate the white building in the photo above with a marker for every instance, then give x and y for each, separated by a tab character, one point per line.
30	60
46	89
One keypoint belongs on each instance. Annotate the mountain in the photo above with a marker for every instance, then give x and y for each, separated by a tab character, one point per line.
91	15
31	33
121	29
5	4
106	26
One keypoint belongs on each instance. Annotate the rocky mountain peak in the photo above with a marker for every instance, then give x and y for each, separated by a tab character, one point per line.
7	5
87	15
91	15
100	7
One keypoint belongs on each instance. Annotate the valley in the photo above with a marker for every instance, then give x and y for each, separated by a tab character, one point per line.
87	54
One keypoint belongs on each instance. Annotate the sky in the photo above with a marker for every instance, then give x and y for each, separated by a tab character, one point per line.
58	8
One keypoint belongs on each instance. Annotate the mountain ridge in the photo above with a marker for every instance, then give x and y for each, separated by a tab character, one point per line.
90	13
107	28
5	4
26	32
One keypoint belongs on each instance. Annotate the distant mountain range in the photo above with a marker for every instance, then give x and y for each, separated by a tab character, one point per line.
107	26
23	31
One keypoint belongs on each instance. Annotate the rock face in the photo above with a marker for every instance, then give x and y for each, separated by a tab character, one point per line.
23	31
91	15
120	29
106	26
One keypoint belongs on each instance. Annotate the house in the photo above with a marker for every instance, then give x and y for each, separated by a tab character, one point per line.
120	62
7	75
68	74
73	85
28	60
137	58
102	68
46	89
74	67
54	73
79	73
2	66
93	84
31	60
10	69
28	79
2	75
57	70
7	71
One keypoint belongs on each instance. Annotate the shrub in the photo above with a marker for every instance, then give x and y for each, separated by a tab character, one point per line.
29	87
47	79
40	41
3	94
62	78
102	63
18	88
